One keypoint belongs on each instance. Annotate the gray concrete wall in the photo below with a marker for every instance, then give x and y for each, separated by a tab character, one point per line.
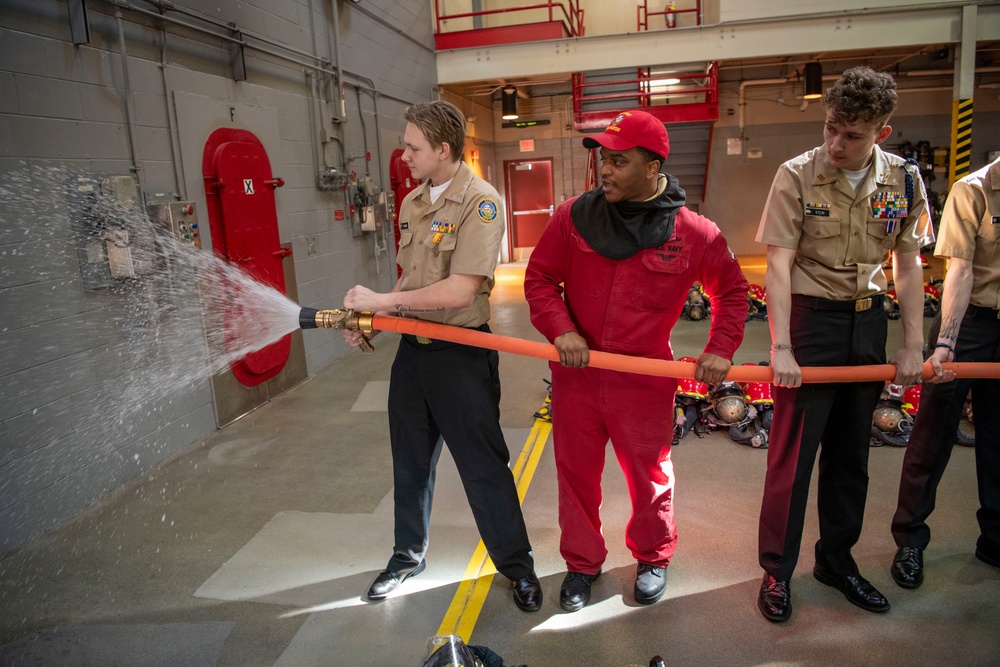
68	431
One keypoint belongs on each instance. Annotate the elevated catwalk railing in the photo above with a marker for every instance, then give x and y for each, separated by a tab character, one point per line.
507	25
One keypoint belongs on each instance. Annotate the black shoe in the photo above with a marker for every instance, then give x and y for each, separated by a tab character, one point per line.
575	591
856	589
908	567
387	581
989	559
775	599
650	582
528	593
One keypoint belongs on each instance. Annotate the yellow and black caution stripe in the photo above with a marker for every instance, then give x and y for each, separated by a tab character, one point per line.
462	614
961	140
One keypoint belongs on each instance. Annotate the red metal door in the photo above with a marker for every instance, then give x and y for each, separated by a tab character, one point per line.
530	202
239	189
402	182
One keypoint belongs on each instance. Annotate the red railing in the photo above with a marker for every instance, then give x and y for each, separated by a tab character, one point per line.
643	88
571	15
638	93
670	14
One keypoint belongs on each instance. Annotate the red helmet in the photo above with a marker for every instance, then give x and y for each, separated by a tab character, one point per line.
757	392
932	290
757	293
911	399
690	386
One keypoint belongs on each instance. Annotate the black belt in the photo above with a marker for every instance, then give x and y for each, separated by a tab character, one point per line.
851	306
982	311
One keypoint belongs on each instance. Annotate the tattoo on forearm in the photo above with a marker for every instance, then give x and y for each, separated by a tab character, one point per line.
404	309
949	328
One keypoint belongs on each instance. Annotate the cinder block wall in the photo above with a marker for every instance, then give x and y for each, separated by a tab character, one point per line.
77	417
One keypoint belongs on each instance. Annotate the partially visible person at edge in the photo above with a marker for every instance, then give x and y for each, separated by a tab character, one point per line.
451	227
831	216
611	272
966	329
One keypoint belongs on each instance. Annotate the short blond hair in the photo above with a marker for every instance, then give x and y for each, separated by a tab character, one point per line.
441	123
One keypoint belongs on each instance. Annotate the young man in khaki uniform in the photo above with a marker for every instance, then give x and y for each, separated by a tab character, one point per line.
966	328
450	232
832	215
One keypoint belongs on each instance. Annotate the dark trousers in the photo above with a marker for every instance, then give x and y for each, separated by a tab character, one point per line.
442	390
934	433
838	415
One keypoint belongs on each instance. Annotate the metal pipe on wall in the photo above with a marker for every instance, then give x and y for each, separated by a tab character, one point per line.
129	111
180	188
335	51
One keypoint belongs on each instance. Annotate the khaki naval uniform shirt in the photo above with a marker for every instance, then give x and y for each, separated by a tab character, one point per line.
459	233
970	230
842	236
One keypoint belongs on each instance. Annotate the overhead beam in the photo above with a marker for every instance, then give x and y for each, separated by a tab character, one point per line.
898	27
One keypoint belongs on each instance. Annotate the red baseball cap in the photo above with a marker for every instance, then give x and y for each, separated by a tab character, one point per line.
631	129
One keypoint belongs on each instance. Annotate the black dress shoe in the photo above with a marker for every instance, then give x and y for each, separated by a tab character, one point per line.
989	559
575	591
775	599
528	593
388	580
650	582
856	589
908	567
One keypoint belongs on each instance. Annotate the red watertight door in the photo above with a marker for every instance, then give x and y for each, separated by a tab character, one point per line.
402	183
239	188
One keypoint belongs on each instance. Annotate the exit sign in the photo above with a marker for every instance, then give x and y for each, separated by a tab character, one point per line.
527	145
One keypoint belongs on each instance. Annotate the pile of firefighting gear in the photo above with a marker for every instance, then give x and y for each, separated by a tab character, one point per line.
698	306
932	300
893	418
744	410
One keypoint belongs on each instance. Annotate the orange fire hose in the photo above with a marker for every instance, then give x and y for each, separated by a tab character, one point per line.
644	366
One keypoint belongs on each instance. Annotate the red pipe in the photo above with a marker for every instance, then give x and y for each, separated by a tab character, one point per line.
644	366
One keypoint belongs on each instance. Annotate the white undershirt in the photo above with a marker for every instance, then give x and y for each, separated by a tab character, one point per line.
856	178
436	190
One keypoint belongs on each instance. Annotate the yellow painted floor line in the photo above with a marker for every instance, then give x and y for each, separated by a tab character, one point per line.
463	612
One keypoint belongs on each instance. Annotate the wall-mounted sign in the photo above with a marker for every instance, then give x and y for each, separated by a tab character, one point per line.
527	145
525	123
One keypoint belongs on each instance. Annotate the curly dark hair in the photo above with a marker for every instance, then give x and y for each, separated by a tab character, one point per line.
441	122
862	95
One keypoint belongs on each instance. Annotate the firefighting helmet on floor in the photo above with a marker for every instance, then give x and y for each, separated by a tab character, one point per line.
450	651
729	402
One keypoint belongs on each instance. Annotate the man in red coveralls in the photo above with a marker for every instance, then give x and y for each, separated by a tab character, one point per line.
611	272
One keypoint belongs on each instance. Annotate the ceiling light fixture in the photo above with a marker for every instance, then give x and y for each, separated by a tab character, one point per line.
813	76
508	103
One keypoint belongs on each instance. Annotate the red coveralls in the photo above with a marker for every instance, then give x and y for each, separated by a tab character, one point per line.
626	306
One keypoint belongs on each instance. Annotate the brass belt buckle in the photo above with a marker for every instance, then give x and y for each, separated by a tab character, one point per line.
861	305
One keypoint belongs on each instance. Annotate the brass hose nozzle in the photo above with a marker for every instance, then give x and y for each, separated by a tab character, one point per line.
310	318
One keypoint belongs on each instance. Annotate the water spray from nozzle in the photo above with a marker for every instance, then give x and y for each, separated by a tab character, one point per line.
311	318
